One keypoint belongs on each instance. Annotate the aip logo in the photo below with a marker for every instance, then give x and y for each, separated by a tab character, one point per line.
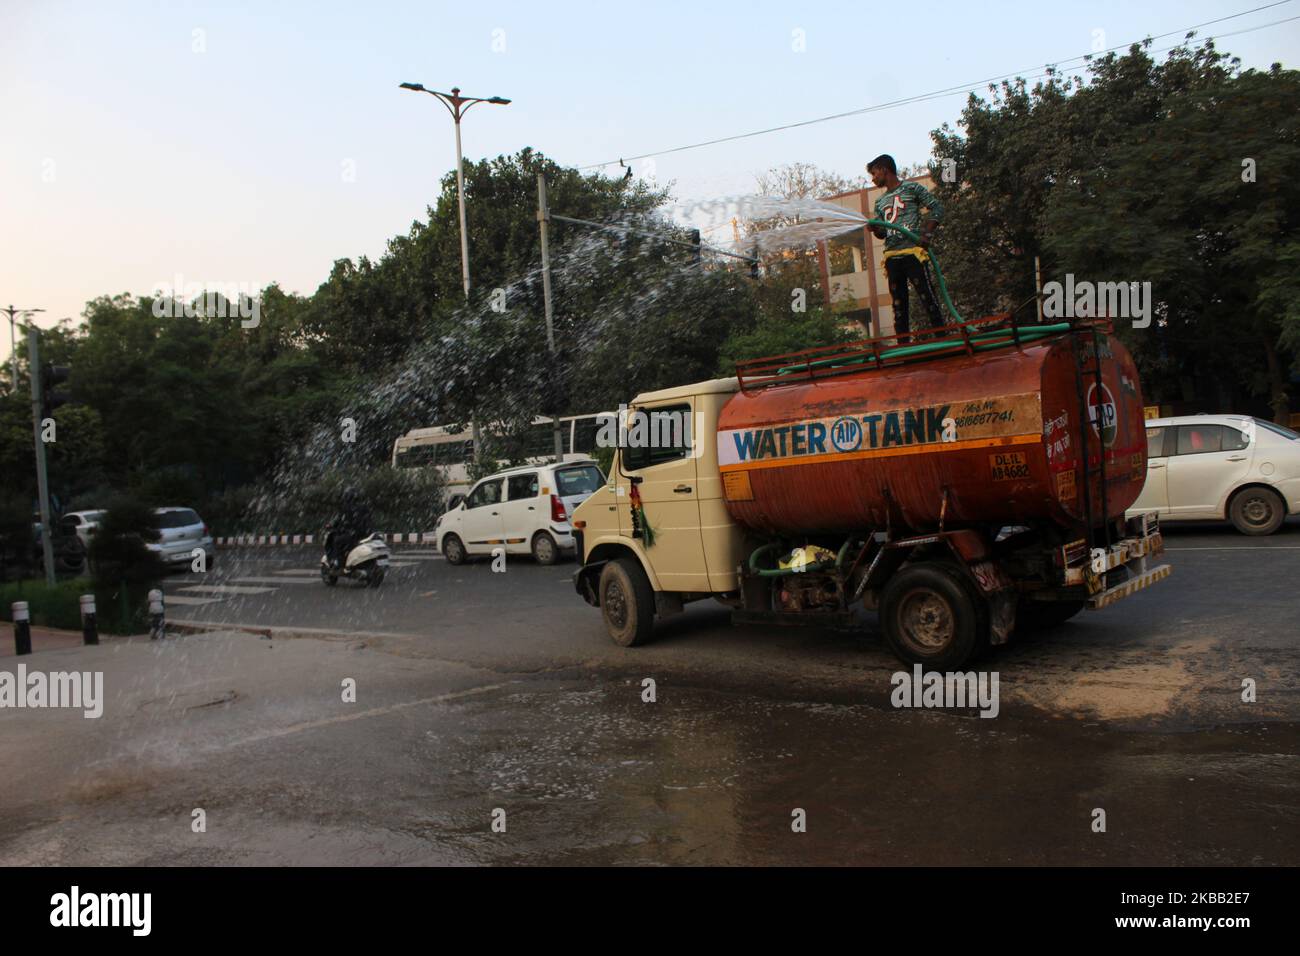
1102	414
846	434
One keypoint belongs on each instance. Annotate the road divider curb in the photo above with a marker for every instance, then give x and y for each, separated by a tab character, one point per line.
281	539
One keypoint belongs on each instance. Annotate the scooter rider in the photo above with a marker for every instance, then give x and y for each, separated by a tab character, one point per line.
354	523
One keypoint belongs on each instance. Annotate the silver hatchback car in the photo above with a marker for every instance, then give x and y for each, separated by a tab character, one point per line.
181	530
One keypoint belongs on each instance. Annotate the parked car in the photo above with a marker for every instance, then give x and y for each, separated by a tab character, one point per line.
83	524
181	530
525	510
1212	467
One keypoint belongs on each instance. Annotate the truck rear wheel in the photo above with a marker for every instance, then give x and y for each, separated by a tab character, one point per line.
627	602
931	616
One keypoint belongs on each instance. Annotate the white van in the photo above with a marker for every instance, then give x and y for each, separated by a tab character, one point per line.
524	510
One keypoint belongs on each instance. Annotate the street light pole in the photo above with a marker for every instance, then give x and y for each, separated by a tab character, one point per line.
13	348
460	201
458	106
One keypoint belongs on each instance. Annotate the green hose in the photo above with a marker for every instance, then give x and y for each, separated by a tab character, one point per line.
978	342
938	273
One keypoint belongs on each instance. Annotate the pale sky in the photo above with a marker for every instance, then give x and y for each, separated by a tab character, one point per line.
145	140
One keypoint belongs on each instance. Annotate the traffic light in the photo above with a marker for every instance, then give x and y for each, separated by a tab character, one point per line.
52	375
695	245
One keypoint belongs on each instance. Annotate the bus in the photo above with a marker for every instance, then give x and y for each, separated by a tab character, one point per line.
451	448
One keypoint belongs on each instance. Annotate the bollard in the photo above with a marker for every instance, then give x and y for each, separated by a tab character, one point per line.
157	624
22	628
89	630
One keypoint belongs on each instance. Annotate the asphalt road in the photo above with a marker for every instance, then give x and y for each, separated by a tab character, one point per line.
1174	655
483	696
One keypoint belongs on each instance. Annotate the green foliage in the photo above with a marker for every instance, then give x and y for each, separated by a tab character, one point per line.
778	334
16	535
1136	175
400	500
367	314
118	610
117	552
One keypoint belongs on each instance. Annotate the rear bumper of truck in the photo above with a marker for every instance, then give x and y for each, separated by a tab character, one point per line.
1143	580
1127	566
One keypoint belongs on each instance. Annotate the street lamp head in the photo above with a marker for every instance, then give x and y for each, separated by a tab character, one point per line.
500	100
418	87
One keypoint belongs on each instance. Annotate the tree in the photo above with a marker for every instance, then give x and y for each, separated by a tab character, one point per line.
1136	175
1217	244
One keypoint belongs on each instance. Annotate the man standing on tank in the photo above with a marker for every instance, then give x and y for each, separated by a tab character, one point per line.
905	260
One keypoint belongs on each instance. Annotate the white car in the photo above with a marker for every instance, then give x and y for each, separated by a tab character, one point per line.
83	523
1211	467
524	510
180	532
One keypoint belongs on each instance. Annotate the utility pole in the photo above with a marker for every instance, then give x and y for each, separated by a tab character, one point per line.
458	106
544	218
47	532
13	348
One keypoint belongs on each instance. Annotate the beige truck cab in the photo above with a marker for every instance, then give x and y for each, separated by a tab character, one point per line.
668	460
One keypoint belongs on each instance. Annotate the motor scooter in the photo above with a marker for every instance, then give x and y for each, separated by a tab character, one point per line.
367	561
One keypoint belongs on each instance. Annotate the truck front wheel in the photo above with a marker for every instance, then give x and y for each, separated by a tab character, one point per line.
931	617
627	602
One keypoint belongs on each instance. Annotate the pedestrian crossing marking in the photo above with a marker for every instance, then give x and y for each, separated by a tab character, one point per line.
263	579
226	589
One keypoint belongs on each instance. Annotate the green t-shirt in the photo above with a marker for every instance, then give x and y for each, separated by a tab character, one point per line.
903	205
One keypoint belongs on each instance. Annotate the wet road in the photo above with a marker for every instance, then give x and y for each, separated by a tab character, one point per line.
588	772
1175	654
479	692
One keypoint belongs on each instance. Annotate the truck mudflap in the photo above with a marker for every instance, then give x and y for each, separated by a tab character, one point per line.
585	581
1143	580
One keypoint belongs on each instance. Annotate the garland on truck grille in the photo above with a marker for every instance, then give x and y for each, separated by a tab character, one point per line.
640	526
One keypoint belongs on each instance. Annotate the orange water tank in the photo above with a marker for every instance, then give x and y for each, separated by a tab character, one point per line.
1005	436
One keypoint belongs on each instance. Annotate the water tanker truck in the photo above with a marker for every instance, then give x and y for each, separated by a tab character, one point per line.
966	488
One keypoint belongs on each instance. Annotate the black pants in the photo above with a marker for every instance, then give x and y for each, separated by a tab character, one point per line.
904	269
341	544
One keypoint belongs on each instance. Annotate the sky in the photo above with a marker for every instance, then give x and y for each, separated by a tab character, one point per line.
245	143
